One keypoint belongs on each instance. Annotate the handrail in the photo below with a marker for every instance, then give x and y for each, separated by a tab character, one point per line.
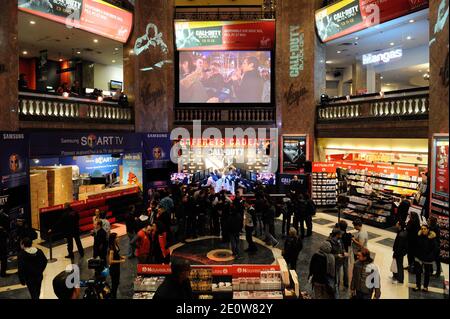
69	99
373	96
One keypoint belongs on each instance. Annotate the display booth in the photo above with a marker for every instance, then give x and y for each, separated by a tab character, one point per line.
14	183
226	163
87	170
440	191
374	191
225	281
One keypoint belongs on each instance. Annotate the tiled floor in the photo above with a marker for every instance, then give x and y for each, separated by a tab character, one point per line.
380	243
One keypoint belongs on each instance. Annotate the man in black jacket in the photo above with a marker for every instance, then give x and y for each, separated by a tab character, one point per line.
70	228
177	285
100	242
31	265
400	249
235	223
249	87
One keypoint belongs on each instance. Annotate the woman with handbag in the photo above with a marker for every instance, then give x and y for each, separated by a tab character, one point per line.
322	272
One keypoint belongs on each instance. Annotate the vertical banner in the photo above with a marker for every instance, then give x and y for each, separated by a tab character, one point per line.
294	150
132	170
156	150
440	166
13	160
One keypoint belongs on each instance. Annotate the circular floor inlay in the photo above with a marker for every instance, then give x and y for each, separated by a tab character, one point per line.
220	255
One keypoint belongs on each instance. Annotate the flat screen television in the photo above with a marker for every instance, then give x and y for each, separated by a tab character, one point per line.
218	77
115	85
181	178
266	178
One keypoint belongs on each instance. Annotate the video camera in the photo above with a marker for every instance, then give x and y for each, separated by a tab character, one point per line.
97	288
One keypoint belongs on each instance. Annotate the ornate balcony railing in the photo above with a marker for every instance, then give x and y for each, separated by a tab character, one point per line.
224	15
225	115
42	107
405	104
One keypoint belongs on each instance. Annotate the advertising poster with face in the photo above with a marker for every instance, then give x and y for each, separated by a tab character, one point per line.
156	150
293	153
13	160
441	167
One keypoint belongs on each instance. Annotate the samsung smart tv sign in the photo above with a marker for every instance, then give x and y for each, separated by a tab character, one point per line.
382	57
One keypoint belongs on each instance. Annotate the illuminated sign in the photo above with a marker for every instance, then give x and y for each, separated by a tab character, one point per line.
348	16
383	57
95	16
224	35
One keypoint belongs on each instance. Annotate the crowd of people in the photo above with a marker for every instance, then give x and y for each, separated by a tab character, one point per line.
178	213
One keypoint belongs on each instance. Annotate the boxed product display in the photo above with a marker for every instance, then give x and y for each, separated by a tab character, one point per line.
143	295
147	283
38	194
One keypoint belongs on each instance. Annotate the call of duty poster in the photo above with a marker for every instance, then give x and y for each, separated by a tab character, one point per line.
293	153
62	8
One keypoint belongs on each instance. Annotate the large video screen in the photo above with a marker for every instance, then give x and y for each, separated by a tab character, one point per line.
225	77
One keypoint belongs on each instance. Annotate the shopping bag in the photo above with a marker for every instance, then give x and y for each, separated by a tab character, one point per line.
394	269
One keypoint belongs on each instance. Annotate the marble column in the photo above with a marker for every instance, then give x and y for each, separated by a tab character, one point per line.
300	68
439	67
9	67
149	69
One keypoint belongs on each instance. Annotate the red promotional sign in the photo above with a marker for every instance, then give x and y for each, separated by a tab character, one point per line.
348	16
222	270
95	16
145	269
252	270
441	168
385	169
318	167
407	170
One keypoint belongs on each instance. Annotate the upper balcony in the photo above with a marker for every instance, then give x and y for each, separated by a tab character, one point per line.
45	111
392	114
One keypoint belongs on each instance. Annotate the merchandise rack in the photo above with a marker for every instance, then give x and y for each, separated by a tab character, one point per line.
225	281
439	208
324	184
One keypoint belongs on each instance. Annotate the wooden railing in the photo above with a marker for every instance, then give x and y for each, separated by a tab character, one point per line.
43	107
230	114
413	104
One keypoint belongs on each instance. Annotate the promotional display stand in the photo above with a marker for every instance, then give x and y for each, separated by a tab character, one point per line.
440	191
224	281
324	184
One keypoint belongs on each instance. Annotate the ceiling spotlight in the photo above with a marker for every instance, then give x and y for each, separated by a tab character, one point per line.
408	37
357	38
100	99
381	77
412	21
24	52
66	95
60	60
426	76
117	49
113	61
131	51
388	84
78	52
95	40
328	62
392	43
32	22
339	52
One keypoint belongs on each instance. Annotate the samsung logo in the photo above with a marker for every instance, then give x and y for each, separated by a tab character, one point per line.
9	136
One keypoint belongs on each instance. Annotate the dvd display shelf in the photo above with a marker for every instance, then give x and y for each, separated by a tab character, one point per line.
324	188
224	282
439	208
375	210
